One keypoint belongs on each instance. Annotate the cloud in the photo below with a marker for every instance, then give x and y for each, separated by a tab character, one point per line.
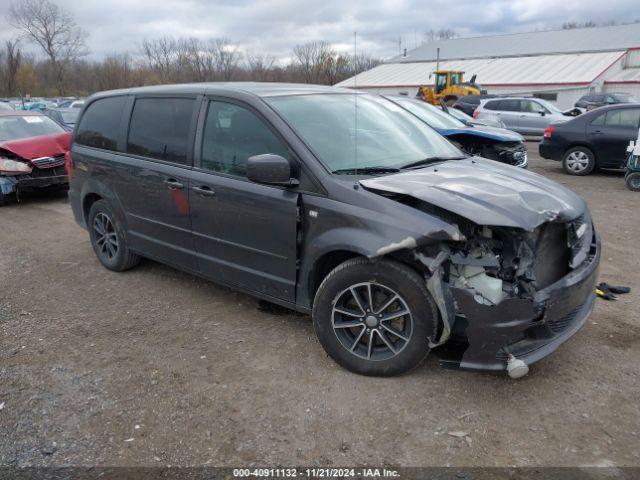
275	26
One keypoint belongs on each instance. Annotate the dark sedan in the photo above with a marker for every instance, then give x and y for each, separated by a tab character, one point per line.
595	100
469	103
596	139
493	143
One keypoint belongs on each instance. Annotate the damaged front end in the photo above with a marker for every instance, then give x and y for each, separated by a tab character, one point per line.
508	293
18	175
508	152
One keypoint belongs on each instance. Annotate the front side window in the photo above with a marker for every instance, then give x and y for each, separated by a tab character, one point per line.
531	106
25	126
347	132
159	128
441	83
492	105
627	118
100	124
232	134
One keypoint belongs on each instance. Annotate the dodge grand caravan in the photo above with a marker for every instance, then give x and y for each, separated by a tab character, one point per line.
395	242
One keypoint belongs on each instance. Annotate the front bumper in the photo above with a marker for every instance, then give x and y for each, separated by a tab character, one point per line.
528	329
36	180
37	183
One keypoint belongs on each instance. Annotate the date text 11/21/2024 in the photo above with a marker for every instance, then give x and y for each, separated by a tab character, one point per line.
315	472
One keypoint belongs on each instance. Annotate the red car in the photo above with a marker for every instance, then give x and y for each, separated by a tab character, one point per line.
32	153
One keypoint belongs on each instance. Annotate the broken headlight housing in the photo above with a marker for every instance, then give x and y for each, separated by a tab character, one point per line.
13	167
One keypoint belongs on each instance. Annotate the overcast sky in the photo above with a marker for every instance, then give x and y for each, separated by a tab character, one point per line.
274	26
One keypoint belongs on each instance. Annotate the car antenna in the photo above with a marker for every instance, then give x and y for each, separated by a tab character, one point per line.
355	102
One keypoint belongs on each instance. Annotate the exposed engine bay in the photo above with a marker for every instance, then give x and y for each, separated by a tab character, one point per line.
511	153
488	288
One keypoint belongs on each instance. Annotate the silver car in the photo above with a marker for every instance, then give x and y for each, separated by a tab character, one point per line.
528	116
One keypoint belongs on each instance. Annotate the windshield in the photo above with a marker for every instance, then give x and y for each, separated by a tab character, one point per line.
70	116
432	116
16	127
382	135
460	115
550	106
624	98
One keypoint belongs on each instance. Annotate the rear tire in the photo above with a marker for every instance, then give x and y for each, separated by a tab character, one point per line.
633	181
391	317
108	238
578	161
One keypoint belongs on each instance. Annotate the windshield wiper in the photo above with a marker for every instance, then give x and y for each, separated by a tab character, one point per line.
427	161
365	170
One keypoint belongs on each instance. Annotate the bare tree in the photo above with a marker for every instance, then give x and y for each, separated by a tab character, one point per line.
310	58
11	59
53	30
260	65
113	72
226	57
335	67
160	55
198	61
363	62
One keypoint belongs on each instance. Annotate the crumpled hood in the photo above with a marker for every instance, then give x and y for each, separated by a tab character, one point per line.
494	133
485	192
37	147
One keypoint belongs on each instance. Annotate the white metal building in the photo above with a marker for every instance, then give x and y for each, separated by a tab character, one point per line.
560	66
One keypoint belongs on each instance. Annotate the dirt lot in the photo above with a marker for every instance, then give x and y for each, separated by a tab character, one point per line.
156	367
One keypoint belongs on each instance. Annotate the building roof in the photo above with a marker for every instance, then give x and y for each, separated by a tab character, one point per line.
596	39
629	75
566	69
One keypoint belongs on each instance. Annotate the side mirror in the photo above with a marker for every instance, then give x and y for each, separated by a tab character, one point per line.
270	169
542	112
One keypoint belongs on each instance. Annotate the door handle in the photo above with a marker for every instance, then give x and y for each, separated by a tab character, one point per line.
596	132
204	191
173	184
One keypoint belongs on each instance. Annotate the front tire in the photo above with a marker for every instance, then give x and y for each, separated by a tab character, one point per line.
108	239
374	317
579	161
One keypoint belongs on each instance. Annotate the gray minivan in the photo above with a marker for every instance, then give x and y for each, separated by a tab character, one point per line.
342	205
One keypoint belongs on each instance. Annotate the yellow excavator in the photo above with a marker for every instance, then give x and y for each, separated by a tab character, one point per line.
449	86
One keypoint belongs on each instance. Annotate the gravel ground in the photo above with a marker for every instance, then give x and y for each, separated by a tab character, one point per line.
156	367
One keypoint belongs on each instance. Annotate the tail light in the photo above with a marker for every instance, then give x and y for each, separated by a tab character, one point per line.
548	131
67	163
476	112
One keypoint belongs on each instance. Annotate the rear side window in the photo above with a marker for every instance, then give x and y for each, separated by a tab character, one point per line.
492	105
100	124
510	105
627	118
159	128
